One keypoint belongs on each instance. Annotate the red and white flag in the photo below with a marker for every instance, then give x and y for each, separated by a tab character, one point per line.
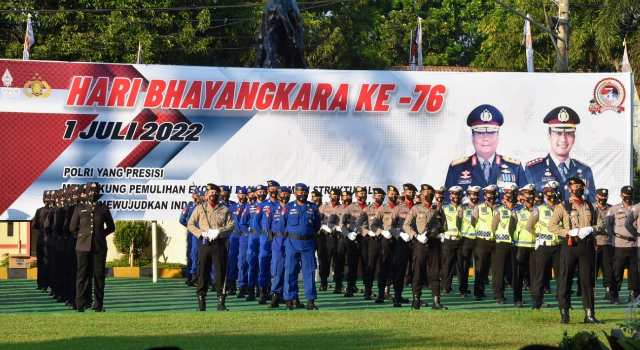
29	39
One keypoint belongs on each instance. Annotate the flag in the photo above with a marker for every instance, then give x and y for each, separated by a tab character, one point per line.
29	39
419	42
625	65
139	59
412	60
528	45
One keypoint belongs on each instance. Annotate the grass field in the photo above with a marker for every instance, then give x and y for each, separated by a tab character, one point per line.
141	314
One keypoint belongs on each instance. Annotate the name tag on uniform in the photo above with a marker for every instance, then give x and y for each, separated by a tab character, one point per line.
84	210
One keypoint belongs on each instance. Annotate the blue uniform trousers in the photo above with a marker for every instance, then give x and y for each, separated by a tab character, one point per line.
190	261
253	250
234	247
243	266
264	260
300	252
195	246
277	264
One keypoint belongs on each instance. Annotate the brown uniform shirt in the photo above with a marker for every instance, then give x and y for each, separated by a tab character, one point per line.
560	222
398	215
350	218
422	219
365	221
615	220
382	220
328	214
603	238
219	217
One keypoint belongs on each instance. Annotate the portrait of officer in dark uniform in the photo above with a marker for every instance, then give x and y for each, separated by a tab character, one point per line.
485	167
558	165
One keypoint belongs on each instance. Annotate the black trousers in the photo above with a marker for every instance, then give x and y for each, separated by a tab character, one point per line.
580	255
354	251
387	251
604	259
401	259
426	265
373	252
546	257
485	252
324	249
212	253
43	261
451	251
90	264
53	263
626	258
465	256
525	261
339	258
71	268
504	252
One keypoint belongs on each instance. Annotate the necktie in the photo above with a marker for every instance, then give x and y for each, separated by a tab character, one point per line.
563	172
486	167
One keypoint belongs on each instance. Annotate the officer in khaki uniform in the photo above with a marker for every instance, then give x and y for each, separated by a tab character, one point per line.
626	253
451	239
211	223
353	233
403	242
547	246
604	247
468	240
371	240
503	227
524	243
424	225
381	225
342	246
485	239
576	219
326	241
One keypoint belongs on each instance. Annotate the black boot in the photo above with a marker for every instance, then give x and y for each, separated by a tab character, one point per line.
349	292
387	293
232	287
416	303
202	303
311	305
338	288
263	296
193	282
436	304
632	296
274	301
324	285
252	294
397	301
380	298
241	293
607	294
589	317
367	294
221	300
289	305
614	299
298	304
188	279
564	316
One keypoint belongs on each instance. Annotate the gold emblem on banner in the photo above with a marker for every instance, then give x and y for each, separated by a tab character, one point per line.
486	116
563	116
37	87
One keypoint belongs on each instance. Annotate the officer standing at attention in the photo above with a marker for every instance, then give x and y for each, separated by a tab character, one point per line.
277	247
37	223
264	257
340	251
300	220
524	243
353	233
326	240
253	228
604	247
485	167
468	241
451	243
403	242
233	241
91	224
372	241
184	218
243	265
212	223
626	253
503	226
424	224
485	239
381	225
576	219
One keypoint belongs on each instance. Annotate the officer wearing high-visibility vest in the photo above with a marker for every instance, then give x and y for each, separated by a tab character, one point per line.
576	220
372	241
524	243
547	246
424	225
451	239
503	226
485	240
468	240
381	225
300	220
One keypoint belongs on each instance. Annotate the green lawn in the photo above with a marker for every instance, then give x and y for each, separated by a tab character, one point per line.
141	314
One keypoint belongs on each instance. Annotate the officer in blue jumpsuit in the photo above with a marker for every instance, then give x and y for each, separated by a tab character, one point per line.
243	265
272	220
192	260
264	257
558	165
300	220
251	223
232	242
485	167
234	239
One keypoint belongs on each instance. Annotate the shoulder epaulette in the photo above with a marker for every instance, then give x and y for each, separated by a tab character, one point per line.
459	161
535	161
581	162
515	161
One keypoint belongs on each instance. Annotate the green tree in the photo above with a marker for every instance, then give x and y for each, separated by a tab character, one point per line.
131	238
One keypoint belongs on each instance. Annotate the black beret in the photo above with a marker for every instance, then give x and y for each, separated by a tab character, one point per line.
361	189
377	190
316	194
213	187
392	188
347	193
409	187
335	191
426	187
576	180
602	192
627	190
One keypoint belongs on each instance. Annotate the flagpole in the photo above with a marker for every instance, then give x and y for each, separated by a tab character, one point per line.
411	49
25	52
139	59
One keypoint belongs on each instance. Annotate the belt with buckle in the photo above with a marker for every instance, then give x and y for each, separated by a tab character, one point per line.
253	231
299	238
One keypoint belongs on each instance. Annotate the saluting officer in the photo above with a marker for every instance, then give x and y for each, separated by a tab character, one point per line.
381	225
451	239
524	243
558	164
576	220
485	167
468	240
212	223
91	224
300	220
372	240
626	254
604	247
424	224
403	242
485	239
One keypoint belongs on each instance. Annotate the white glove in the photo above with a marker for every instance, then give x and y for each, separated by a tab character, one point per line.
205	235
422	238
352	236
325	228
339	229
213	234
386	234
371	233
585	231
574	232
537	244
405	236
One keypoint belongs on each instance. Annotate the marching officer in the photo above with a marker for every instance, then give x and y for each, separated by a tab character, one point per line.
381	225
626	253
300	220
468	240
485	239
558	165
424	224
485	167
503	226
191	258
212	223
326	240
403	242
372	241
353	233
91	224
524	243
576	220
604	247
451	243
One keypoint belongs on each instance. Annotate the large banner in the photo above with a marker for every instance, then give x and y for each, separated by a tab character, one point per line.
149	134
